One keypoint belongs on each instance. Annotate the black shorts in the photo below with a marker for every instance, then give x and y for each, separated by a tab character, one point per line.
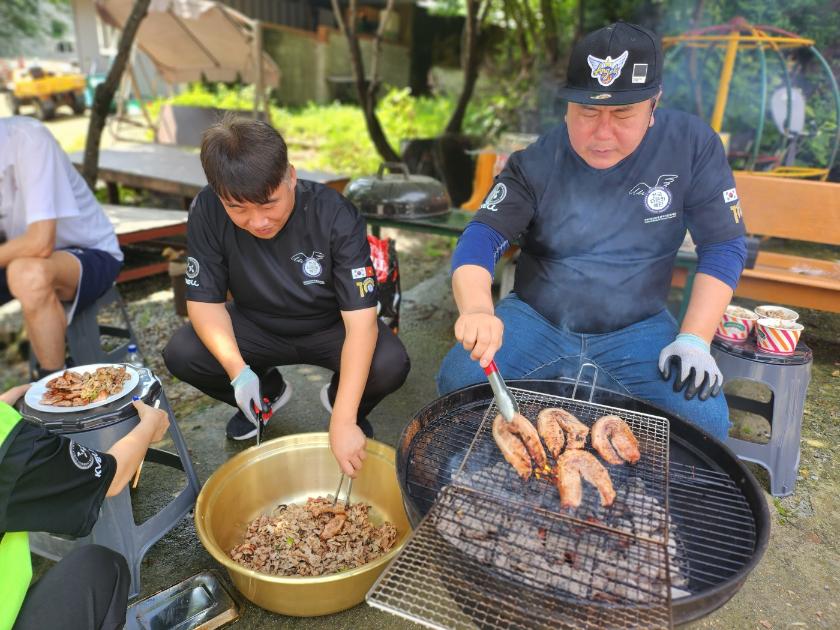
99	270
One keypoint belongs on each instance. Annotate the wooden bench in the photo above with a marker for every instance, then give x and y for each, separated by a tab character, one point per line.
792	209
143	225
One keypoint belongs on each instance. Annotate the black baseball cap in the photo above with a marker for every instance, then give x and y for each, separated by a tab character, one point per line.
619	64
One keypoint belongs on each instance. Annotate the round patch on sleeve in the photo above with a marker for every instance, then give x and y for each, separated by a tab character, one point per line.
192	267
81	456
496	196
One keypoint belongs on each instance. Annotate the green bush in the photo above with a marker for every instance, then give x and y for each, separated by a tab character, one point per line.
334	137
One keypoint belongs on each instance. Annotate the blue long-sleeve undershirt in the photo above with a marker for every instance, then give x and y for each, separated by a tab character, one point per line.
724	261
479	245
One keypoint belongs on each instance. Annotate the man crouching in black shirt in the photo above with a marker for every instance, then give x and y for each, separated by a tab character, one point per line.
295	258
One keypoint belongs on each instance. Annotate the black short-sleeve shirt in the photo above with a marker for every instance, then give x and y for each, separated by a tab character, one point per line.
598	245
295	283
50	483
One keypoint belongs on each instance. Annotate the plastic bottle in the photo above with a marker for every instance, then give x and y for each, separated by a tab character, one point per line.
133	357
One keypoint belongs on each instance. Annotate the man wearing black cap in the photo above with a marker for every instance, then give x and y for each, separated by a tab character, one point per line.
600	206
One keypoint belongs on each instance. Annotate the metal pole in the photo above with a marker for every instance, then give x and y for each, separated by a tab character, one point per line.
725	80
759	132
836	93
258	88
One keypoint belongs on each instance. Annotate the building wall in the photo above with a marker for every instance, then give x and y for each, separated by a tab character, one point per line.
316	66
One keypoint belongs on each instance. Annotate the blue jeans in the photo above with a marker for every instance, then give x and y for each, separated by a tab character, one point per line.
626	359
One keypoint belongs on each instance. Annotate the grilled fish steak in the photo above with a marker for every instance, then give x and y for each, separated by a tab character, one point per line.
575	464
614	440
519	443
574	429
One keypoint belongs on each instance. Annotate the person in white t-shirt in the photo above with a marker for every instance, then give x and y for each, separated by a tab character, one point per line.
58	250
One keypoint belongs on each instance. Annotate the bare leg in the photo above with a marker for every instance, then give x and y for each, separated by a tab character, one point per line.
41	284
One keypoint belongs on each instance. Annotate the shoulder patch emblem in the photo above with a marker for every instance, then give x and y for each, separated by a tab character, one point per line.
496	196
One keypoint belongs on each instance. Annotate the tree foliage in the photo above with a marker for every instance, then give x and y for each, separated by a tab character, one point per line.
19	19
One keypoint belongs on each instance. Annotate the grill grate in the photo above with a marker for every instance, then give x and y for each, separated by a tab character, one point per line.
593	567
640	508
711	521
548	575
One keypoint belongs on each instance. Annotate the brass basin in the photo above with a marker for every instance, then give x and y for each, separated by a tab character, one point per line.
289	470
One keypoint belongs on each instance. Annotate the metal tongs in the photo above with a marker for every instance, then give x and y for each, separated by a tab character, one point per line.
263	414
338	491
505	401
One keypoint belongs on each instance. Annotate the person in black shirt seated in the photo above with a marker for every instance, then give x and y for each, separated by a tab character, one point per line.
50	483
294	256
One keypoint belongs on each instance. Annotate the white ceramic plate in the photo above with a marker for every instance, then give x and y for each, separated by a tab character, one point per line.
36	392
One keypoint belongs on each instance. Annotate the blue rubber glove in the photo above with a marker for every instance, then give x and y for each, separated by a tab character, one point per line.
696	366
246	390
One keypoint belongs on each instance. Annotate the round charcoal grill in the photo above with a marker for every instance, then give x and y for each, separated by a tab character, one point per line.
717	509
399	196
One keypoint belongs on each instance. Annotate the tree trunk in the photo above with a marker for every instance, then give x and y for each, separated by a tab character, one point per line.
551	39
367	98
472	27
105	91
581	20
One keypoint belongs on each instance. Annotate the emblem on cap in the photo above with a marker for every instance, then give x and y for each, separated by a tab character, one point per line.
607	70
601	97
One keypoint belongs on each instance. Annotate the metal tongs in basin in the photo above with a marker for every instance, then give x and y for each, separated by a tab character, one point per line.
263	415
338	491
505	401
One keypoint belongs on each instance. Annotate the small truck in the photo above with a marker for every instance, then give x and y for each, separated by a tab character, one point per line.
46	91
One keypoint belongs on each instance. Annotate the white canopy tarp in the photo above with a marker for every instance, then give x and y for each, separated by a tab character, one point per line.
191	40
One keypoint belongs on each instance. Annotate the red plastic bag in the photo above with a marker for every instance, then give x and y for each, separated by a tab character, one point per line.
383	253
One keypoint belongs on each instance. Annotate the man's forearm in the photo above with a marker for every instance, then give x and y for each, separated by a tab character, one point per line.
213	326
356	356
472	288
24	246
709	299
129	452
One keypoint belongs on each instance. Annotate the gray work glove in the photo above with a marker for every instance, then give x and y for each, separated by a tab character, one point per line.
695	365
246	390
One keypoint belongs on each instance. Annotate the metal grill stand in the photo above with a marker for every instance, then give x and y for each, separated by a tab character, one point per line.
497	552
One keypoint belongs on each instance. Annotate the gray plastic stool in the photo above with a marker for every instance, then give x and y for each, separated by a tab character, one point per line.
99	429
84	333
787	377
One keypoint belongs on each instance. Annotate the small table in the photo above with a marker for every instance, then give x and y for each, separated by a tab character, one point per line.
141	225
168	170
452	224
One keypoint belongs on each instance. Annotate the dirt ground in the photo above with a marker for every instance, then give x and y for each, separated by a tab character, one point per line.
797	584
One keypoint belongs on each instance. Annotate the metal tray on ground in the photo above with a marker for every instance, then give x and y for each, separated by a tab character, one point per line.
201	602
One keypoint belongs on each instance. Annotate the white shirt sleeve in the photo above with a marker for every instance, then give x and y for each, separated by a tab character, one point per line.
47	193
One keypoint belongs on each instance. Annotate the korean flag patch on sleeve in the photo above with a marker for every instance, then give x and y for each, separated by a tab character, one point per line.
358	272
730	195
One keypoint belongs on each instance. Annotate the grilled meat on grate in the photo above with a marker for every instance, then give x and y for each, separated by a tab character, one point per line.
575	430
519	442
614	440
575	464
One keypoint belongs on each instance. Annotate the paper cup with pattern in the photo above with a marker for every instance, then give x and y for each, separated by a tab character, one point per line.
736	324
777	335
777	312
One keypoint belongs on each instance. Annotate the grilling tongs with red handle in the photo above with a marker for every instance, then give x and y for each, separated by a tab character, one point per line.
505	401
